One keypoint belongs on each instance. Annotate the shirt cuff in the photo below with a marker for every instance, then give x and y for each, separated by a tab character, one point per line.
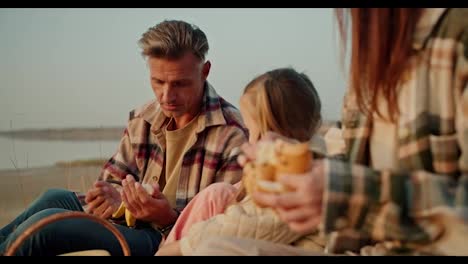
336	194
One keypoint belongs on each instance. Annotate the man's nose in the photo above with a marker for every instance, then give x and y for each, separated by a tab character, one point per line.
169	94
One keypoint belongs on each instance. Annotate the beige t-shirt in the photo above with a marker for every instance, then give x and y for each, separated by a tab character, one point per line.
177	144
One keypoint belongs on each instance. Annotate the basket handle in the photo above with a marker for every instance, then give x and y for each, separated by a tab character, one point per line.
65	215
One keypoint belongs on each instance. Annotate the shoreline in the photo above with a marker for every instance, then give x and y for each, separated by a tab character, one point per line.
90	133
92	163
67	134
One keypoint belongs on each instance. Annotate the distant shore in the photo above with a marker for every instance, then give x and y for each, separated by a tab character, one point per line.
90	134
69	134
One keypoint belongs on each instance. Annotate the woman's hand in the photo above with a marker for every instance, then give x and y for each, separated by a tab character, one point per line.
300	208
249	150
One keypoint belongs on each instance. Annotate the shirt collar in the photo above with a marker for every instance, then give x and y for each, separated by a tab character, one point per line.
425	26
210	113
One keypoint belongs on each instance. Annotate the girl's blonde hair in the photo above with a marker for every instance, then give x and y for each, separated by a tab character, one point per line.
286	102
283	101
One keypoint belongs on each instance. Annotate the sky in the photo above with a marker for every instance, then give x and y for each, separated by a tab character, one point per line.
82	67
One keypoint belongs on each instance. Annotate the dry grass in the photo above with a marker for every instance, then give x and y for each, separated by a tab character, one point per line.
18	188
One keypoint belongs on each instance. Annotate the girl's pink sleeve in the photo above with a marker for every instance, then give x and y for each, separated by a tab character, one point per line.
209	202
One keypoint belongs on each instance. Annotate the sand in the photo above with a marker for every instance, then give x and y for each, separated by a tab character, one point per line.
18	188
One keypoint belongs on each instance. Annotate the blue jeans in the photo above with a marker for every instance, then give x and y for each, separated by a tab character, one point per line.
72	234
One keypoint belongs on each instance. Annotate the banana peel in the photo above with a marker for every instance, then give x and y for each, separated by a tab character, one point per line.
129	218
120	211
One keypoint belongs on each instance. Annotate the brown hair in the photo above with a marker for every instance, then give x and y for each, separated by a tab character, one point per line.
172	39
380	49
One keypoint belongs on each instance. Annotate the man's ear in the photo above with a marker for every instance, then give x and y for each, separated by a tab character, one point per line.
206	69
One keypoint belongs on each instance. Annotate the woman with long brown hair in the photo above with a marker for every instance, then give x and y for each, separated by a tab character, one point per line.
403	188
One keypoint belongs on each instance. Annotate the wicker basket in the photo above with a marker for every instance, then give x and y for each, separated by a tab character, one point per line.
60	216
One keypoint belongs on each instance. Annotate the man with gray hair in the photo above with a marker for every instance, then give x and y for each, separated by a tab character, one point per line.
173	147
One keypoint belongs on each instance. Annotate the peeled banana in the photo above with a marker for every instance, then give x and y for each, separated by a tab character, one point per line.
129	218
120	211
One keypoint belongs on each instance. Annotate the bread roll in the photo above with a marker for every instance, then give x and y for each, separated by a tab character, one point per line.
273	159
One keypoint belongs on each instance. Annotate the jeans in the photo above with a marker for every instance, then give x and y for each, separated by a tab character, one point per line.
70	235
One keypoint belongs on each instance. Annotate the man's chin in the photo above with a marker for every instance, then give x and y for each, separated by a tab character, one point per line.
171	114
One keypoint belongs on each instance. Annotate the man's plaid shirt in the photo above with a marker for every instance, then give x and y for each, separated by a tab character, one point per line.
211	158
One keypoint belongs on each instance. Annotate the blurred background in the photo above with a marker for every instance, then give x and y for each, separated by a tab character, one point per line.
74	68
69	77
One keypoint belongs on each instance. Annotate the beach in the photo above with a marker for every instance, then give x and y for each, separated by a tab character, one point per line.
20	187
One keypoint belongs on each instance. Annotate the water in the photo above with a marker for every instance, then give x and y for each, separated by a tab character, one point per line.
37	153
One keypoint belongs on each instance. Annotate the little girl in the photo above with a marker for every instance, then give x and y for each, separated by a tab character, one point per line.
283	101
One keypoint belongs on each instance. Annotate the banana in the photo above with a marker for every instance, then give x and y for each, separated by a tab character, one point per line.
129	218
120	211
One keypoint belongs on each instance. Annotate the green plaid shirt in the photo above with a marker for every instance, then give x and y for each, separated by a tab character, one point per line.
404	207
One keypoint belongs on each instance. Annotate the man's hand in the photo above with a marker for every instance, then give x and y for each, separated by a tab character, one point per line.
152	208
301	208
103	199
